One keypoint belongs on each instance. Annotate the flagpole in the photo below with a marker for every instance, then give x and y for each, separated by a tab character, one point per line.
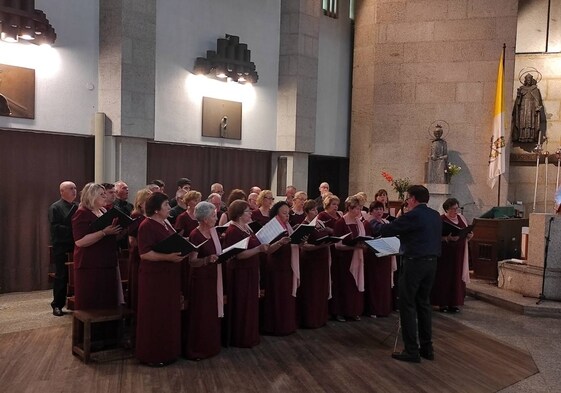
499	193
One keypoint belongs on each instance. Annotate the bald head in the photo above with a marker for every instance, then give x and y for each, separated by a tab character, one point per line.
67	191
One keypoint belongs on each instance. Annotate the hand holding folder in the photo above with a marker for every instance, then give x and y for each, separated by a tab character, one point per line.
176	243
122	219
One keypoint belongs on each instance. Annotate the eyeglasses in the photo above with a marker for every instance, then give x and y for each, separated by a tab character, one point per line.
268	198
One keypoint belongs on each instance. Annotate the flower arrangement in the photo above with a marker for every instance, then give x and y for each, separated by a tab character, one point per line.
400	184
453	169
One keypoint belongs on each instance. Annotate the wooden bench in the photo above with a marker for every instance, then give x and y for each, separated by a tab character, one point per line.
82	324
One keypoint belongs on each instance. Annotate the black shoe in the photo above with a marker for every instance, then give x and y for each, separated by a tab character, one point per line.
427	354
57	312
340	318
453	310
406	357
443	309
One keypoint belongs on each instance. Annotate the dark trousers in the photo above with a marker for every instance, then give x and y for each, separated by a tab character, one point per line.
61	274
415	284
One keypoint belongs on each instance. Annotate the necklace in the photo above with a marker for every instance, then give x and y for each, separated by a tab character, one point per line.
246	229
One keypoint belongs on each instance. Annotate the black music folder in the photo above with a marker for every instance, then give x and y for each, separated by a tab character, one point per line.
124	220
300	232
176	243
454	230
329	239
354	241
233	250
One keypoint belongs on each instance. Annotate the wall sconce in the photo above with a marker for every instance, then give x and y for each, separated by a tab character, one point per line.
20	20
231	60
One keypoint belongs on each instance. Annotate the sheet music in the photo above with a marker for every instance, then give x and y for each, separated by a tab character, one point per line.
384	246
270	231
242	245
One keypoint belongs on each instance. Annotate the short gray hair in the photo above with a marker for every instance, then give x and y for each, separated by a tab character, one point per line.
204	210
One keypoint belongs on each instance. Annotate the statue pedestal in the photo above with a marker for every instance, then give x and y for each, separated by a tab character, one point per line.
526	277
438	194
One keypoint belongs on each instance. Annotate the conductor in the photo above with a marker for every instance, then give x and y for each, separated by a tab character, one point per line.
420	231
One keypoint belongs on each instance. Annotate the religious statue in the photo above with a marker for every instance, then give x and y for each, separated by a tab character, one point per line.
528	115
438	158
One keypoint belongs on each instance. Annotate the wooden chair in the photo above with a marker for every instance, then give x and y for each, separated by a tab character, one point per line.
82	325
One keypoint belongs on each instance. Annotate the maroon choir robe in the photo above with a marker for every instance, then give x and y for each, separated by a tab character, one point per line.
449	289
158	336
203	321
378	297
315	285
242	292
96	278
346	299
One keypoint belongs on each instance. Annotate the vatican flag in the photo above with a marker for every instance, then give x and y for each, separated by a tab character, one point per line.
497	153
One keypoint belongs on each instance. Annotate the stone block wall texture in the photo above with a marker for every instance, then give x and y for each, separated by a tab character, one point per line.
416	62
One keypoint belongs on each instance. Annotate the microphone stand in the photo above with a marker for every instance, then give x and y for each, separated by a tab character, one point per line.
547	238
462	207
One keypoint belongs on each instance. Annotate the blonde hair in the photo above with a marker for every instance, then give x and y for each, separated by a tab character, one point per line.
262	196
140	199
329	199
351	202
362	197
191	196
89	193
299	194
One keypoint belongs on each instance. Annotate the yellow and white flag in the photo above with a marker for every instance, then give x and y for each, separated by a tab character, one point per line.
498	149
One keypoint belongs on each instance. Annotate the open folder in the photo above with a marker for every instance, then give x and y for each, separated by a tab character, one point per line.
384	246
176	243
454	230
329	239
124	220
300	232
233	250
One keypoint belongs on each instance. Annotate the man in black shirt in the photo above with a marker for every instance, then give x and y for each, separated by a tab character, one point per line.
122	192
420	232
60	219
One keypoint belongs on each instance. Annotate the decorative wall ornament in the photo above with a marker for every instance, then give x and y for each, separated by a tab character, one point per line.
231	60
20	20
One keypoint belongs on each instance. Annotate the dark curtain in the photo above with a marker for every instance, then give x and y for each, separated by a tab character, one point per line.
333	170
32	166
233	168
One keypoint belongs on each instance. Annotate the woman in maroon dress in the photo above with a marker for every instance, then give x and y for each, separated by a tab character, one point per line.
452	271
331	213
205	297
378	272
186	221
134	256
264	201
281	278
158	337
243	280
95	255
315	278
297	214
382	196
348	266
235	195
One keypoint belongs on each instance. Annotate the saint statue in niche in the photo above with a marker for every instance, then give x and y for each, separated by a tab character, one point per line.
528	115
438	158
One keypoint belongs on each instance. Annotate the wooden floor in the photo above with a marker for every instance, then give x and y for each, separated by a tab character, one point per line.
341	357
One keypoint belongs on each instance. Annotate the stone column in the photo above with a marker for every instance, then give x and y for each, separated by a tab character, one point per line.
127	47
297	96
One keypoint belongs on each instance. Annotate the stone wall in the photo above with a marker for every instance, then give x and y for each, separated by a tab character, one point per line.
420	61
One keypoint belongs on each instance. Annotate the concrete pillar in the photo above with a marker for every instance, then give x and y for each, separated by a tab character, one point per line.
127	85
297	96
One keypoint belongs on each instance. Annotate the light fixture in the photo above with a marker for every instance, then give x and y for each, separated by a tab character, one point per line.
231	61
20	20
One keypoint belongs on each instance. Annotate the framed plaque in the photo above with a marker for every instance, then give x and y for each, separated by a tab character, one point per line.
17	92
222	119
